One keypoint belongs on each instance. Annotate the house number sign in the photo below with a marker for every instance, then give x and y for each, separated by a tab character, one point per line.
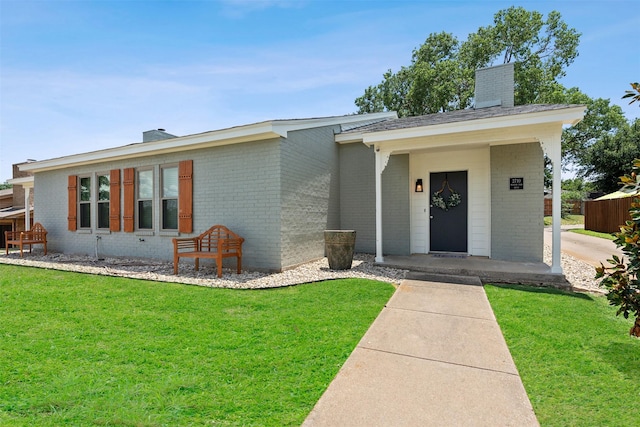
516	183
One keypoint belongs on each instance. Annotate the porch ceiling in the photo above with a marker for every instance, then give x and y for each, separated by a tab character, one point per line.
465	139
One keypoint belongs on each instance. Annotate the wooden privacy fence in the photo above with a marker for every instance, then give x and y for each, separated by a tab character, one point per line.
606	216
576	208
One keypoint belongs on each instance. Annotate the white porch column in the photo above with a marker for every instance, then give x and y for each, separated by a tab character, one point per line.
552	147
382	158
27	211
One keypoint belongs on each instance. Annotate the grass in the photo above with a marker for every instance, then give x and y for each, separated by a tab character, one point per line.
577	362
598	234
569	220
92	350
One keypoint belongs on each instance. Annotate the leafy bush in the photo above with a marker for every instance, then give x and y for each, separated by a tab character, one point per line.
568	199
621	279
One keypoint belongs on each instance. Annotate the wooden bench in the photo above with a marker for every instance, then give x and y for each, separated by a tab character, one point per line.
36	236
217	243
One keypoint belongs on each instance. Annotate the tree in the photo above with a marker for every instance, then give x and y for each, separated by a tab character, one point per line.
634	94
608	158
440	76
5	185
577	186
600	118
434	82
622	279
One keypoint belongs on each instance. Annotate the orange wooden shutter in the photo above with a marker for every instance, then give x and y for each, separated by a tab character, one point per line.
114	200
185	196
129	199
72	218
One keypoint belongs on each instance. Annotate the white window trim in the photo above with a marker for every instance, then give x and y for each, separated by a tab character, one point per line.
153	199
89	202
98	202
161	197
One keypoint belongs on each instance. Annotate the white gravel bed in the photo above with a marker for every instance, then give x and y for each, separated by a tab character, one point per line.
162	271
579	274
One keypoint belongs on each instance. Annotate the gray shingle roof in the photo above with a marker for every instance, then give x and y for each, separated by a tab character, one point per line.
455	116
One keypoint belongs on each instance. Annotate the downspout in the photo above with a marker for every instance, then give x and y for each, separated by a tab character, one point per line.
98	238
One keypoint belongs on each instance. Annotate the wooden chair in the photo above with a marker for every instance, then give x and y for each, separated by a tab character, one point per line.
36	236
217	243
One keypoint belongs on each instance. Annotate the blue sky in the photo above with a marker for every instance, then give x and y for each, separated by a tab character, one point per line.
83	75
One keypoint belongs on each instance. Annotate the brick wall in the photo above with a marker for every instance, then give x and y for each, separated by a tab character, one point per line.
310	193
237	186
396	229
280	195
358	199
358	194
18	190
517	215
495	84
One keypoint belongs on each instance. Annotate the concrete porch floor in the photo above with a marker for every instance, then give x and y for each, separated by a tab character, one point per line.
434	267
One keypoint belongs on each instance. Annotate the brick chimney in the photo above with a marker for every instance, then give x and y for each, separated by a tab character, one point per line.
495	86
156	135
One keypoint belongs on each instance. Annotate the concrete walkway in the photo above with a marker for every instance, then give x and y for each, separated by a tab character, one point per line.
592	250
434	356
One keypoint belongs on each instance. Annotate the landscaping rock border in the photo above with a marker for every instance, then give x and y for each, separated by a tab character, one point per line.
579	274
162	271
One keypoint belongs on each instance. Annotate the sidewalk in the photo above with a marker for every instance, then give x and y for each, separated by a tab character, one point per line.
592	250
434	356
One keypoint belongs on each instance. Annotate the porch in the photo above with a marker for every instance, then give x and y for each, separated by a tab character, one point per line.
457	268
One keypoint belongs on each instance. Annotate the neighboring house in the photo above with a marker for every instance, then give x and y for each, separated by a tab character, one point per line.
281	183
13	202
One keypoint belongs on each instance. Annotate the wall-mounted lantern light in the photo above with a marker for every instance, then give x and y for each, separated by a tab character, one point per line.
419	188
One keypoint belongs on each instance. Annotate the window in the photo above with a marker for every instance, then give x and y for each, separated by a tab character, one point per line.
169	198
173	200
85	202
145	199
104	196
94	201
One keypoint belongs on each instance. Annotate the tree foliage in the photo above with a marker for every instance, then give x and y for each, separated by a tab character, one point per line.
601	118
609	157
622	279
634	93
441	74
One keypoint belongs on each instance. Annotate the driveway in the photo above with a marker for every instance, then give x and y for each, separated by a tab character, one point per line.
592	250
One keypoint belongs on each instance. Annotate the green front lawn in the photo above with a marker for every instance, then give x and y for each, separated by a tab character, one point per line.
598	234
92	350
577	361
568	220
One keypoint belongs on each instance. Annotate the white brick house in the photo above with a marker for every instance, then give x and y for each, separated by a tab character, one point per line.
280	183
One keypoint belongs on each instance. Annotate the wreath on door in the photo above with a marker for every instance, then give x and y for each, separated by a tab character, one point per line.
439	201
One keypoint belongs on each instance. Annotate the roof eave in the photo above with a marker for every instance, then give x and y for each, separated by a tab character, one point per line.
257	132
25	181
565	116
236	135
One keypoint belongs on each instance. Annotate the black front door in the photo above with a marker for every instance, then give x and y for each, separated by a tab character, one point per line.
448	222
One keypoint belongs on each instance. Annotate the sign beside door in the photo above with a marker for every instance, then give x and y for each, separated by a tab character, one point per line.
516	183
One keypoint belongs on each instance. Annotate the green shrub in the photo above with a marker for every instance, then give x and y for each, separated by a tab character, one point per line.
621	279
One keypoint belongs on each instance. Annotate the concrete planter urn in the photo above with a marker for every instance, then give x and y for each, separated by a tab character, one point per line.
339	246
